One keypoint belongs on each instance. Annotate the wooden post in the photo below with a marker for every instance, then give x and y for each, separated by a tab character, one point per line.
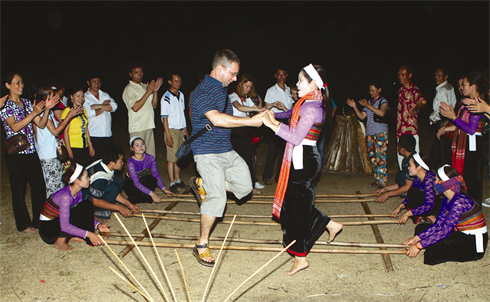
379	239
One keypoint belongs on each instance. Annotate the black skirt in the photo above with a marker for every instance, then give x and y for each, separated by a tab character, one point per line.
457	247
300	220
134	194
81	216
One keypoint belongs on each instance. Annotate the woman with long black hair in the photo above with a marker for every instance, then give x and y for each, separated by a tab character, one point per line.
294	201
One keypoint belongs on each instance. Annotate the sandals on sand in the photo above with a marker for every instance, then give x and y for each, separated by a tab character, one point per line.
256	192
196	186
204	254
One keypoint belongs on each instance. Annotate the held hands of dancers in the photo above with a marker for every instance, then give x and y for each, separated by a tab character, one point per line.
270	121
256	120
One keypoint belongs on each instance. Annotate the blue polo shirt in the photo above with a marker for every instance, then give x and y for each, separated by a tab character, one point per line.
210	95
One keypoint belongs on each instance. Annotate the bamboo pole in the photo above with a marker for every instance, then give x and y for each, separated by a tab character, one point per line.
130	284
159	259
124	265
143	235
357	195
269	223
256	272
267	241
259	216
189	200
183	276
260	249
142	256
217	259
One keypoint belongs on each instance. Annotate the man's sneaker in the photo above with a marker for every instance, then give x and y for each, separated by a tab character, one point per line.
182	185
259	186
173	189
486	203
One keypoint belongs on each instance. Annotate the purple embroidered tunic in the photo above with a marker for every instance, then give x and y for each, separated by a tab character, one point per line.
472	125
135	166
65	202
12	109
447	219
311	112
429	196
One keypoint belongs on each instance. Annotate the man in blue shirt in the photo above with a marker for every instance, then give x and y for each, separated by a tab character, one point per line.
220	167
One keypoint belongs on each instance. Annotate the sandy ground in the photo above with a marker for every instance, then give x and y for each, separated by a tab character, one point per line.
34	271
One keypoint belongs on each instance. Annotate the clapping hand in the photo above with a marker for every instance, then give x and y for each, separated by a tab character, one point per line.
158	83
2	100
39	107
477	105
447	110
363	102
351	103
52	101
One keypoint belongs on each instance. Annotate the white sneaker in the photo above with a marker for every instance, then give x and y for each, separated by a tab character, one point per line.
486	203
259	186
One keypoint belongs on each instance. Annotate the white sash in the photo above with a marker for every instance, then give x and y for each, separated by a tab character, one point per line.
298	153
478	237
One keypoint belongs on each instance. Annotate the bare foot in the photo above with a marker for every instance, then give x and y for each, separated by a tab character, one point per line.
61	245
300	263
77	239
333	229
29	230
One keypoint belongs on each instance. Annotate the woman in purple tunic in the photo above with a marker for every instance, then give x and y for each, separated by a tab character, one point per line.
143	175
294	201
460	231
66	217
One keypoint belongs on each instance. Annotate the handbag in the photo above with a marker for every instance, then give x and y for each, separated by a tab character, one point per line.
185	148
388	118
61	151
16	144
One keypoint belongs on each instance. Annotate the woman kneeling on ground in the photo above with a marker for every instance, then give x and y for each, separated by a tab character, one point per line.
421	198
460	231
143	175
66	217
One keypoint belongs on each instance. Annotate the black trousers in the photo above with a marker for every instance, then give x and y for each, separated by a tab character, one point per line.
99	144
440	152
23	169
275	150
458	247
82	216
81	157
244	147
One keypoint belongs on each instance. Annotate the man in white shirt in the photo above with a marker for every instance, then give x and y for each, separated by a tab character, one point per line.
277	98
140	100
441	152
175	128
99	105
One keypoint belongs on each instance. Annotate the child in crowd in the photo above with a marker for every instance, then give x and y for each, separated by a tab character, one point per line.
420	197
143	175
67	217
406	147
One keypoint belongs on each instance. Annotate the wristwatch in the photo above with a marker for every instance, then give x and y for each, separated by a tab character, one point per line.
100	106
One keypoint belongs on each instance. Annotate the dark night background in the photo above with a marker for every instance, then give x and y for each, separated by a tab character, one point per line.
356	42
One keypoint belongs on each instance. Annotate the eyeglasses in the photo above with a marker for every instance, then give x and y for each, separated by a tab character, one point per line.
235	74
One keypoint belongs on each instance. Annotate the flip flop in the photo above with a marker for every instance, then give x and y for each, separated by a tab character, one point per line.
198	190
206	253
267	181
256	192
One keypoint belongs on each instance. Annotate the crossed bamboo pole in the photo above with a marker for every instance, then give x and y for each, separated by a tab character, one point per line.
258	216
255	248
268	223
265	241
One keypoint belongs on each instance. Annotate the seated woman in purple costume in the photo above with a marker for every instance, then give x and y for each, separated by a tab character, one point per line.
143	175
294	201
66	217
460	231
421	199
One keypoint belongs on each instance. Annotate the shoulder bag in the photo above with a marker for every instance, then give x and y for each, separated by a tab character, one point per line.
388	118
185	148
18	142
